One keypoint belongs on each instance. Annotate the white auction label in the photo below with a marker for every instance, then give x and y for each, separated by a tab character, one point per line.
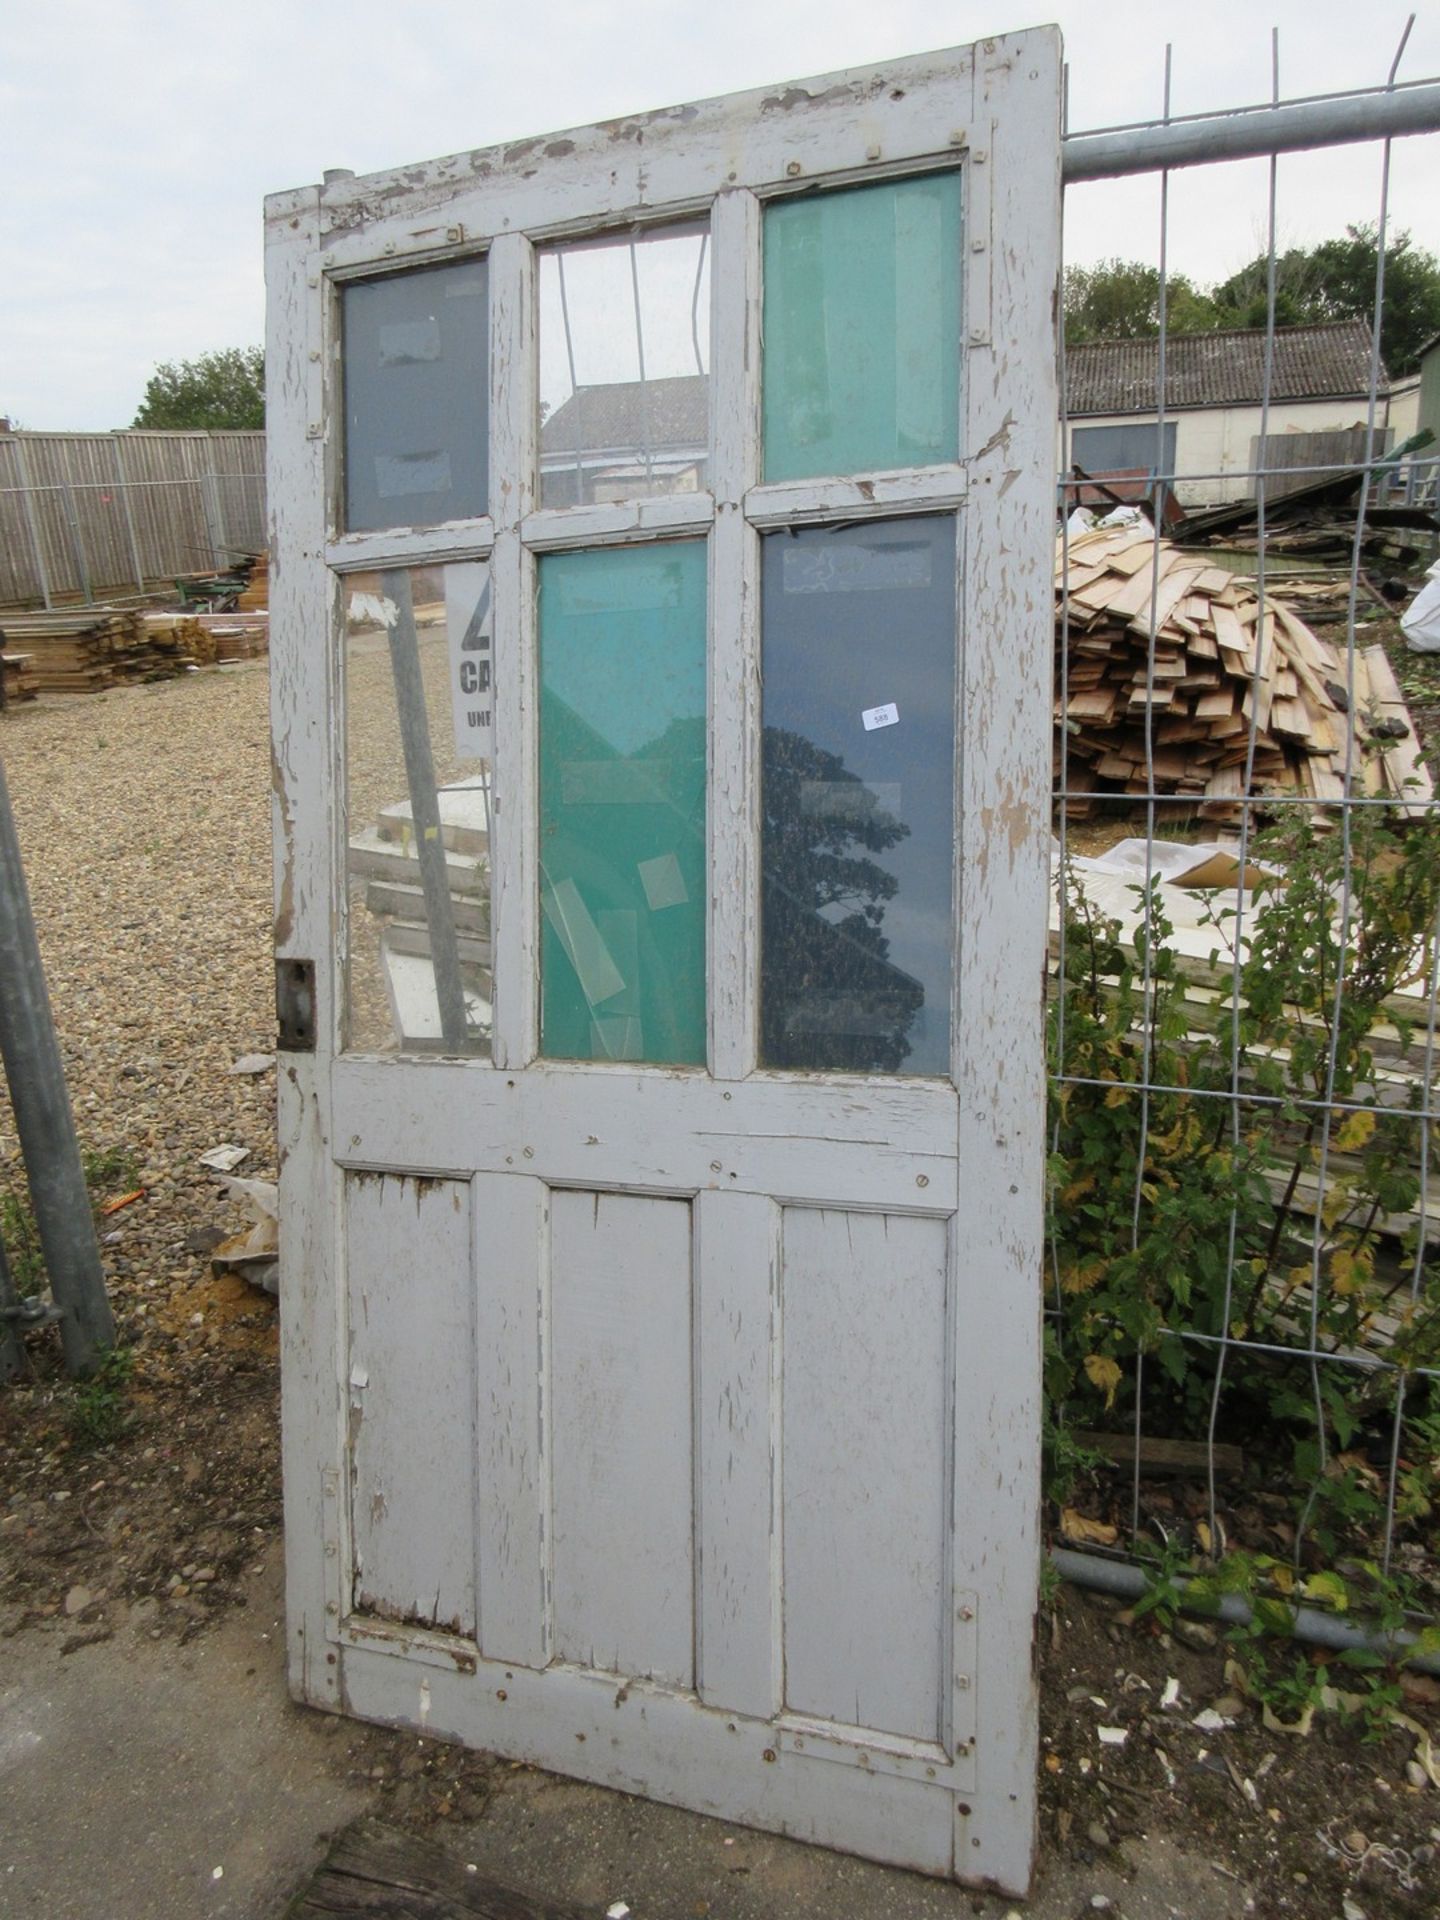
886	716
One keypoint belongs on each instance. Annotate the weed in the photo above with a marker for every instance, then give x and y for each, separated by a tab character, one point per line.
1178	1195
98	1413
110	1170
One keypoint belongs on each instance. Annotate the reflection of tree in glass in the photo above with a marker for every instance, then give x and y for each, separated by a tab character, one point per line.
832	1000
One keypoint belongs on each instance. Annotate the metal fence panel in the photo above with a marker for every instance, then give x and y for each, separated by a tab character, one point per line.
85	515
1245	1235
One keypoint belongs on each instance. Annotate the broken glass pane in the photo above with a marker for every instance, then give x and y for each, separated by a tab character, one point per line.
622	803
625	366
417	404
862	318
858	771
419	722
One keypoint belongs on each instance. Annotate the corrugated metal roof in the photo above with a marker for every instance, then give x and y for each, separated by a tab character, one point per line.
628	415
1221	369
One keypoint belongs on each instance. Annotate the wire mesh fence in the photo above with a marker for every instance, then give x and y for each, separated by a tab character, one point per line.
1243	1311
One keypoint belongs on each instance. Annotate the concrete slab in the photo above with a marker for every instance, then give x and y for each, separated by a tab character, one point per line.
562	1840
145	1781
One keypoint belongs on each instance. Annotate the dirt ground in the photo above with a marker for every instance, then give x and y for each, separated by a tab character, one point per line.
154	920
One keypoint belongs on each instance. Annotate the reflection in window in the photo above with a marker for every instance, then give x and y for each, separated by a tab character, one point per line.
418	729
862	319
624	366
417	405
858	642
622	803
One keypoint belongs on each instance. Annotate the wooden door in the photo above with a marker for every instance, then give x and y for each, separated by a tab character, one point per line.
661	779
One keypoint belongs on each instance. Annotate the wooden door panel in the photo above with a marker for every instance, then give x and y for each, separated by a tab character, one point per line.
866	1548
622	1480
411	1399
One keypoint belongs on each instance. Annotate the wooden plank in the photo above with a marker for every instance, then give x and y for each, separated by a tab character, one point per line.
381	1873
1136	596
657	1132
1160	1457
1001	896
1230	635
514	431
737	1317
412	1345
1405	770
734	801
1172	588
511	1264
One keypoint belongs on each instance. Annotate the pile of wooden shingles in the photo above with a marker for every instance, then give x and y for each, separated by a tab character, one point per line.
1217	665
85	649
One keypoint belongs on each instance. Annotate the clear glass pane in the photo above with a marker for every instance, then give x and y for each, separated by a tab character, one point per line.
862	319
417	401
858	648
622	803
625	366
419	722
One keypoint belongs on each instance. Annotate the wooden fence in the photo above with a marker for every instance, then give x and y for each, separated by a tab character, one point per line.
89	515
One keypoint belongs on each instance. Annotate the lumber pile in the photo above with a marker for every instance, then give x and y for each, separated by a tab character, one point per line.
1219	669
234	636
15	681
256	596
86	649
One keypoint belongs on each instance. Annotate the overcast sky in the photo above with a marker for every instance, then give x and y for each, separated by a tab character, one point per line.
139	137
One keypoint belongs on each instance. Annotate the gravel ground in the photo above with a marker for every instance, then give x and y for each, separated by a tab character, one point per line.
144	821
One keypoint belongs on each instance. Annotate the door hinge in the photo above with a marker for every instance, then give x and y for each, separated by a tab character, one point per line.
295	1005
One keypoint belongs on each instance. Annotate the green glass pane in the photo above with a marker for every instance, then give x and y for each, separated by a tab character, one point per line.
862	320
622	804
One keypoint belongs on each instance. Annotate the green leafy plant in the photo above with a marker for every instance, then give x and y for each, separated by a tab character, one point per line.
98	1413
1183	1200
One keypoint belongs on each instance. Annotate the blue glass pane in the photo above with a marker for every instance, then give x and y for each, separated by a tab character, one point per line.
858	797
417	401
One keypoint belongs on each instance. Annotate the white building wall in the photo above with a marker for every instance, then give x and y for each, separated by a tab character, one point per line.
1213	445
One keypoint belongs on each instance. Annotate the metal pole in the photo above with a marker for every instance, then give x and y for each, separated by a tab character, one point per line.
221	527
1331	120
31	1057
28	501
124	490
425	808
77	540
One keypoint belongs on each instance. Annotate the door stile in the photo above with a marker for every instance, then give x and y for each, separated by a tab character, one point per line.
999	1043
739	1665
510	1269
514	822
734	635
304	765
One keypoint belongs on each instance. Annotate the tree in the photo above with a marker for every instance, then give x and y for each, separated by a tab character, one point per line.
217	391
1336	281
826	958
1120	300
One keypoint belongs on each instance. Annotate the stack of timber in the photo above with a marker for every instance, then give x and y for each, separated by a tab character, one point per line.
234	636
15	681
257	590
1219	668
84	650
